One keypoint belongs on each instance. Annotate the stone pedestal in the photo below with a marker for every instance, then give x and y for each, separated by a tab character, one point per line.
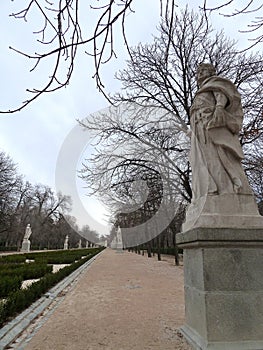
223	288
25	246
225	210
65	246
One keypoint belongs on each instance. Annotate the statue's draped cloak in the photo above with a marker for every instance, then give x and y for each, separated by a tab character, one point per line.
216	152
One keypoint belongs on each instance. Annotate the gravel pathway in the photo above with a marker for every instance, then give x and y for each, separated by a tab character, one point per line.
124	301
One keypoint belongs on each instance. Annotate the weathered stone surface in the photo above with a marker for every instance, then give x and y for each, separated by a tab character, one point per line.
223	288
223	211
25	246
66	242
28	232
223	231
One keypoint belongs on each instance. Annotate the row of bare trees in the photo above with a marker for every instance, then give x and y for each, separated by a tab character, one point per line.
22	203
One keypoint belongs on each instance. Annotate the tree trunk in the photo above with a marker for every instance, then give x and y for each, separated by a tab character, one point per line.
158	248
176	255
149	249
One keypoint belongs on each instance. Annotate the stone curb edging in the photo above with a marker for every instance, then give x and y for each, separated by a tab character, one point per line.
14	328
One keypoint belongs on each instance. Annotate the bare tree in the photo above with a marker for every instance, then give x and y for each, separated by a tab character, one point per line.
9	184
248	8
22	203
60	34
158	88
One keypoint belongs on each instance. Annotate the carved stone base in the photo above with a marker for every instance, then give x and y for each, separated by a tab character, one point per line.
223	211
223	288
25	246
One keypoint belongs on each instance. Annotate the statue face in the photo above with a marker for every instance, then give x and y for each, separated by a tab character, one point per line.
202	74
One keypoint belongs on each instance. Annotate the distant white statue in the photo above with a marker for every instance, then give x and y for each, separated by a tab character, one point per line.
80	244
66	242
119	235
119	244
28	232
26	242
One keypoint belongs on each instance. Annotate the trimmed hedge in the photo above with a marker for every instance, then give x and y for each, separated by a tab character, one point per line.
59	257
8	249
26	271
9	284
12	259
19	300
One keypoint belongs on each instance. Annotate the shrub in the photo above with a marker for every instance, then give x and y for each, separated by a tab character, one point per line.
27	271
14	259
9	284
8	249
59	257
19	300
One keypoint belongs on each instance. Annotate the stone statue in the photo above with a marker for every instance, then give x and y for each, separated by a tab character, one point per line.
222	196
28	232
216	119
117	240
26	242
66	242
119	236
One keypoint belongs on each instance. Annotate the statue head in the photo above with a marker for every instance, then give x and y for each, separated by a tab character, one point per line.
204	71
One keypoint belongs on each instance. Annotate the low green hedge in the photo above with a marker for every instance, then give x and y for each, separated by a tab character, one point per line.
9	284
8	249
26	271
12	259
59	257
19	300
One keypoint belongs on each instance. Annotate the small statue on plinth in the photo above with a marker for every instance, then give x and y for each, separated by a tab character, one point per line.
26	242
119	243
66	243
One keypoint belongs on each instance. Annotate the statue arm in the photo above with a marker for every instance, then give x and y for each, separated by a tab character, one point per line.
221	118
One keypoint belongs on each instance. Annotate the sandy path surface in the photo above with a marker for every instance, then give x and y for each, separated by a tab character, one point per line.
124	301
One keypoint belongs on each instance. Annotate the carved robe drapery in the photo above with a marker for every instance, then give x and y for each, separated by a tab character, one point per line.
216	153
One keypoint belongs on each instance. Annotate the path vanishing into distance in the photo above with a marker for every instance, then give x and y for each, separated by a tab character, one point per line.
123	301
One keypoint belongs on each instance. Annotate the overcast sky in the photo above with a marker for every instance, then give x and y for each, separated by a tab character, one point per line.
34	137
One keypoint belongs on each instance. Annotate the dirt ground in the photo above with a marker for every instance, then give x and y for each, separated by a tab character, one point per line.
124	301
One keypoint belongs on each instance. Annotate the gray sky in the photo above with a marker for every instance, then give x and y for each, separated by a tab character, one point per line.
34	137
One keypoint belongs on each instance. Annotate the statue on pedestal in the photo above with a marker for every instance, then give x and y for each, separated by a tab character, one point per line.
222	233
26	243
66	243
219	183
